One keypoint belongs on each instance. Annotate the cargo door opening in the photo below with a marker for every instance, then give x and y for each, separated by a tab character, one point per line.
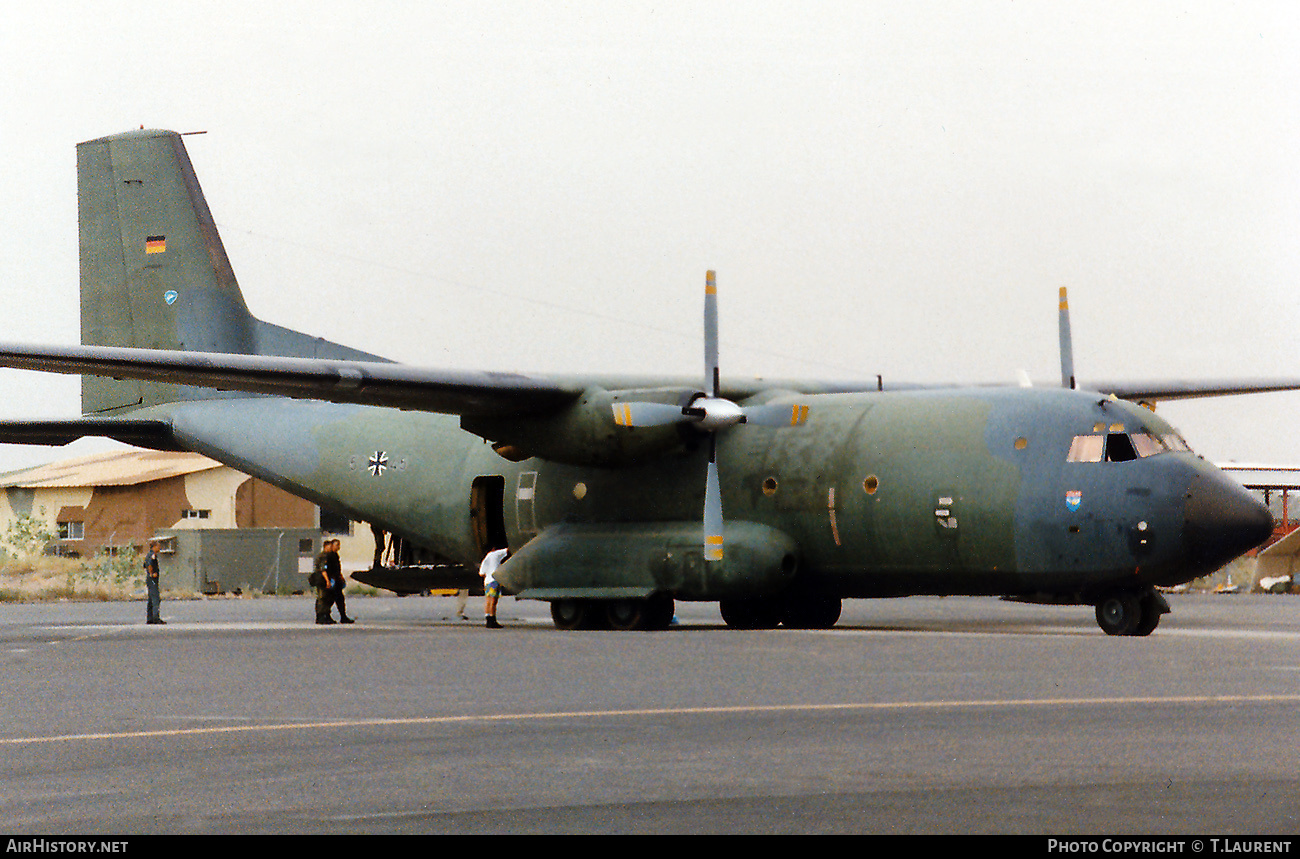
487	512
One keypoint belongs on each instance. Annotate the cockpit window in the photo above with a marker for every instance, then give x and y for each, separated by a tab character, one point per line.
1147	445
1119	448
1087	448
1122	447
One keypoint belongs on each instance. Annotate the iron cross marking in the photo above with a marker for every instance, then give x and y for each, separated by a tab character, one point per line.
378	462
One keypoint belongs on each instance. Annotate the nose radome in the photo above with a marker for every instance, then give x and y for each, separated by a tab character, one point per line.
1221	519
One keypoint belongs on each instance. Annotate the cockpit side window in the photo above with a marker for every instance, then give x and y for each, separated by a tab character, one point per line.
1147	444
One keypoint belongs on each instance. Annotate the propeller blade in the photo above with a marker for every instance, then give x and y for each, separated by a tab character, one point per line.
776	415
710	413
647	414
1067	345
712	381
712	507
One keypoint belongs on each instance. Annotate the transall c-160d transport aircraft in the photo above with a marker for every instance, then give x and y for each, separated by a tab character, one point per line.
618	496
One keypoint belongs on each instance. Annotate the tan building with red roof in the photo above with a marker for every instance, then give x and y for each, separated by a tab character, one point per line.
121	499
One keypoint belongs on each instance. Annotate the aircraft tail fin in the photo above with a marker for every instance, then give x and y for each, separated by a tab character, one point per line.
154	272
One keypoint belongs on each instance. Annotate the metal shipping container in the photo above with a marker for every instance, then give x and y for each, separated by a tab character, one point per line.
229	560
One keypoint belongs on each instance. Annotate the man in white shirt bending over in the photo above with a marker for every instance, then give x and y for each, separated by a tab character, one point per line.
491	589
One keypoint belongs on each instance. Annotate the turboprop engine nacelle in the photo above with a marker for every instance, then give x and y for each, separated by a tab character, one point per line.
586	432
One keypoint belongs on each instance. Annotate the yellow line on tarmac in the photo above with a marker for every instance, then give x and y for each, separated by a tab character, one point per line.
671	711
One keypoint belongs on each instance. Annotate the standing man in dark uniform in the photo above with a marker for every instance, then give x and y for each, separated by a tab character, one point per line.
153	606
334	570
321	583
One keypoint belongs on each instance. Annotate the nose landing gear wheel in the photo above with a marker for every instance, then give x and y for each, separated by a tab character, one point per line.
1153	605
1129	613
1118	614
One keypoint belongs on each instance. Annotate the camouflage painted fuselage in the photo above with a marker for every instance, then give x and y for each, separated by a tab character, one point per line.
967	491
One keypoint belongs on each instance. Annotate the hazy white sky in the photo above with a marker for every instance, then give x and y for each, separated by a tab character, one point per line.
895	188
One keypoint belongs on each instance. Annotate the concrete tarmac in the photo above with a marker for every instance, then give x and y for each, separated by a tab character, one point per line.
918	715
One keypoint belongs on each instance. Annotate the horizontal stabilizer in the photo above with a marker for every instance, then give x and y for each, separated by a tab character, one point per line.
415	580
155	435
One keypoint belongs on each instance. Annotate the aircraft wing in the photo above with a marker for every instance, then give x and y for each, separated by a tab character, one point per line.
366	383
1163	391
403	386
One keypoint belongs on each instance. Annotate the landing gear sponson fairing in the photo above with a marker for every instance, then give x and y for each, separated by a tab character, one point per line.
778	499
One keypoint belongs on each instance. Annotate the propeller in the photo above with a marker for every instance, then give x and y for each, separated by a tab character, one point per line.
1067	346
712	413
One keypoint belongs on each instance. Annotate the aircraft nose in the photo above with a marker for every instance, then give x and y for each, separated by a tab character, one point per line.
1221	520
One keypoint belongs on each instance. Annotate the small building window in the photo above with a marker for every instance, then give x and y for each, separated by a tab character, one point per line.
72	530
195	514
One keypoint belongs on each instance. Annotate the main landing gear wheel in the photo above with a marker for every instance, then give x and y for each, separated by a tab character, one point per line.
798	613
1131	613
750	614
812	613
654	612
570	614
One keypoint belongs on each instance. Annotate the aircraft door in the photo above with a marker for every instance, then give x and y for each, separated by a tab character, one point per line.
487	512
